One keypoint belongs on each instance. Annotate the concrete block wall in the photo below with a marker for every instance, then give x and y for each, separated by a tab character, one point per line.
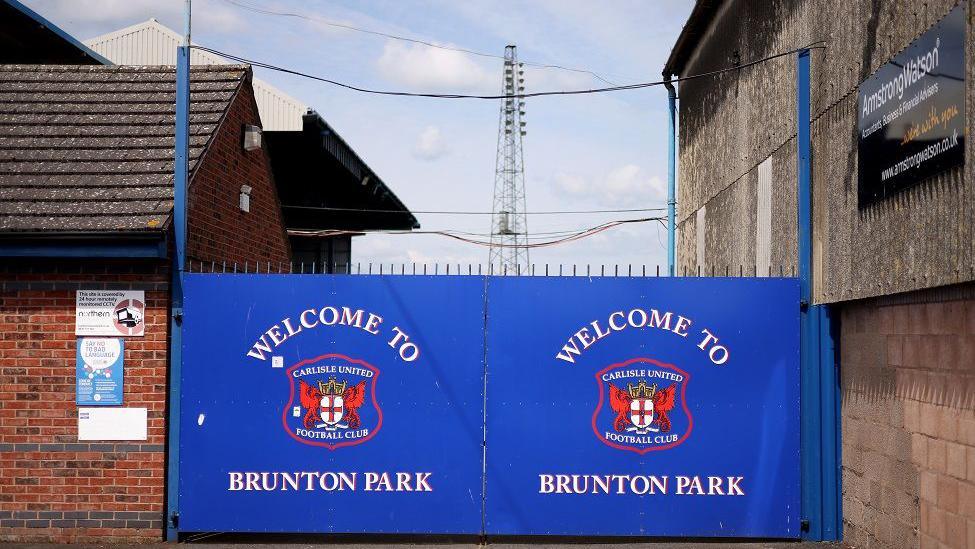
908	377
730	124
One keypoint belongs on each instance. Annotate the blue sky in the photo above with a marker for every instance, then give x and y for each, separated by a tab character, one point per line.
603	151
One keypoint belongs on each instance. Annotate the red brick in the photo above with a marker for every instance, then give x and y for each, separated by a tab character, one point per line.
42	359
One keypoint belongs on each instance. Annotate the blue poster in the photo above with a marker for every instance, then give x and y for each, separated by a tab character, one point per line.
344	404
99	374
643	406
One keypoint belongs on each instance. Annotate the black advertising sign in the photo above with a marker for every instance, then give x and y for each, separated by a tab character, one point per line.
912	112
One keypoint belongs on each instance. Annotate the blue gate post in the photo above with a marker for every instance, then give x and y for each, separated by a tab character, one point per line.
180	182
819	401
671	172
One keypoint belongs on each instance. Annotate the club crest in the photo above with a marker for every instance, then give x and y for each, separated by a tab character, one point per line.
642	406
332	402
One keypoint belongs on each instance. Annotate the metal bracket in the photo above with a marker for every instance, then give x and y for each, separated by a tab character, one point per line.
178	316
174	520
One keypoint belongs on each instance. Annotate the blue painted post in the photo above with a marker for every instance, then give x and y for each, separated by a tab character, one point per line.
819	404
671	173
180	183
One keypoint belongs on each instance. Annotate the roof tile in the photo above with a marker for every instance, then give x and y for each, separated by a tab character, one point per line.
90	148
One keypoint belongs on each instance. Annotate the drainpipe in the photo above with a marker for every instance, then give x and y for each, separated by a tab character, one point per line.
671	171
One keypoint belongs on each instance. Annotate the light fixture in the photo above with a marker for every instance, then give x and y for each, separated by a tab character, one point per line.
245	198
252	137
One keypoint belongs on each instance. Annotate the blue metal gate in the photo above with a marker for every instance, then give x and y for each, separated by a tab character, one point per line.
490	405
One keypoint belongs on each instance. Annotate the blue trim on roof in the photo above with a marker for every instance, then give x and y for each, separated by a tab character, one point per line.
58	31
148	249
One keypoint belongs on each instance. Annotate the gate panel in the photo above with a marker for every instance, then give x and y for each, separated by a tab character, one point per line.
324	421
613	438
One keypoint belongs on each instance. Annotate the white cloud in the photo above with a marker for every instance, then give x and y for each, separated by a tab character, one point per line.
423	68
430	144
624	185
89	15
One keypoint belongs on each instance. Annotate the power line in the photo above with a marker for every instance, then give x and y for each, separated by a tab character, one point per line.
461	236
506	96
447	212
329	22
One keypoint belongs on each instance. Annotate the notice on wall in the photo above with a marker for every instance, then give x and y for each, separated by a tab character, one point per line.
110	312
99	371
113	424
912	113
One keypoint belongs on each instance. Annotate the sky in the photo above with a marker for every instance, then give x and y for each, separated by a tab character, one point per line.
586	152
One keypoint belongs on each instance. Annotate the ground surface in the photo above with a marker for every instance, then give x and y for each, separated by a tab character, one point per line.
449	545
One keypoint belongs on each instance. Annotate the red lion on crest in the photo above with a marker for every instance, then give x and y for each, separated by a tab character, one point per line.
352	399
663	402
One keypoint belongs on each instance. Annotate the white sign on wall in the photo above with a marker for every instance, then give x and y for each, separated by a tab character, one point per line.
113	424
110	312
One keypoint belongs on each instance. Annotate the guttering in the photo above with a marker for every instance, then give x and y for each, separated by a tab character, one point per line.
83	245
671	171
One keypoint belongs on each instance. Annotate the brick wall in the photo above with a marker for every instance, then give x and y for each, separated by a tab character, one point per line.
53	487
218	229
908	375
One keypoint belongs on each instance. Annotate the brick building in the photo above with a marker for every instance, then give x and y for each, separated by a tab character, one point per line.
86	172
898	272
323	183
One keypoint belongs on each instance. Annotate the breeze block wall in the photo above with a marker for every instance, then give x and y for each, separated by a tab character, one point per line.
218	230
908	380
53	487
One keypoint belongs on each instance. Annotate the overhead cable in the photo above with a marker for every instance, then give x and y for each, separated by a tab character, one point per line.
448	212
336	24
641	85
459	235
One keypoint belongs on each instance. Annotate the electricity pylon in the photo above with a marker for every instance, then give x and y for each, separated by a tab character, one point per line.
509	226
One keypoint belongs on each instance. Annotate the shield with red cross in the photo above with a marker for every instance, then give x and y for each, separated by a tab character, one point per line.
332	402
332	409
641	412
642	406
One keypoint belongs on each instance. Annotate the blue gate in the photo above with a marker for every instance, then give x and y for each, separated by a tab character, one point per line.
490	405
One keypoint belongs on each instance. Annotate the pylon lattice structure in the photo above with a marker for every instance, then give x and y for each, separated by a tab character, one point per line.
509	225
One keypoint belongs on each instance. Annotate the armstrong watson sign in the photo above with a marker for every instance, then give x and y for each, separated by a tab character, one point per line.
467	405
912	112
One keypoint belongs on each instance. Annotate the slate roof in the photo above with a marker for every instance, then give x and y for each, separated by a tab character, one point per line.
89	149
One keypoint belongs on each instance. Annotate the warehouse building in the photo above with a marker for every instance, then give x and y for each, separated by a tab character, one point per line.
892	246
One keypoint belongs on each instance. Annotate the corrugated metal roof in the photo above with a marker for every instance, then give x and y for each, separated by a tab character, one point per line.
89	149
152	43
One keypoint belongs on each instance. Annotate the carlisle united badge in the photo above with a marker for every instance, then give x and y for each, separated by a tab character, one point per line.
332	402
642	406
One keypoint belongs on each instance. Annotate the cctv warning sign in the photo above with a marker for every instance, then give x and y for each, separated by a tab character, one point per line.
110	313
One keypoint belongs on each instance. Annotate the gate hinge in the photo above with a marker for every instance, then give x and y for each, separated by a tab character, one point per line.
174	520
803	305
804	525
178	315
